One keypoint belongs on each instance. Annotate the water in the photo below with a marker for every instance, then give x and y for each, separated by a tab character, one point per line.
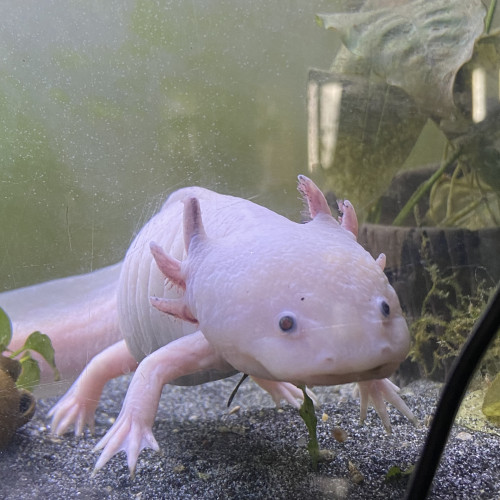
107	107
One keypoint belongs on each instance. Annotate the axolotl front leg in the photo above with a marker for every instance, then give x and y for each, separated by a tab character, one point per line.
132	430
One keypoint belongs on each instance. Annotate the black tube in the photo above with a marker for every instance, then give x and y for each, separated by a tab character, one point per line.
464	367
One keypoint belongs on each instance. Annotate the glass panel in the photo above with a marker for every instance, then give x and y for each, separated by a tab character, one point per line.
107	108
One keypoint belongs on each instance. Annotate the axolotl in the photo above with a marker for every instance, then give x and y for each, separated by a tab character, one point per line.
214	285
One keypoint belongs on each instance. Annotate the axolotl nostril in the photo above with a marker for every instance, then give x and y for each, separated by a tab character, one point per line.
215	284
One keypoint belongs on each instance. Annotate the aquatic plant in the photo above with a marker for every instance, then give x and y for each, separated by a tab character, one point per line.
403	66
29	376
447	318
308	414
19	374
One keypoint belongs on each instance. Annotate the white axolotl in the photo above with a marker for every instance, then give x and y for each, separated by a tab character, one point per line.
213	285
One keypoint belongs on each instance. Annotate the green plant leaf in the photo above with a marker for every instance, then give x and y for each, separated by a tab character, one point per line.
5	330
40	343
30	373
417	46
308	414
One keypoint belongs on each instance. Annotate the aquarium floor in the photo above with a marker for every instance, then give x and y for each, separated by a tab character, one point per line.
256	452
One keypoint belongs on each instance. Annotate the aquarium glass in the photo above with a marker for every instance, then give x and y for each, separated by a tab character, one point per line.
108	107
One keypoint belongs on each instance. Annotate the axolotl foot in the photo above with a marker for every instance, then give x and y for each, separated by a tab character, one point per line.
379	391
77	407
72	410
284	391
131	434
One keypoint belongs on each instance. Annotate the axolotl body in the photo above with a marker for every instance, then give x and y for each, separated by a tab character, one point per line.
213	285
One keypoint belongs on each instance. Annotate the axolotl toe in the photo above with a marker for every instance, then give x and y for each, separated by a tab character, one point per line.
213	285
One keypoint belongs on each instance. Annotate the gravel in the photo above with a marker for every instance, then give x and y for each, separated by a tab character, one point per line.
256	452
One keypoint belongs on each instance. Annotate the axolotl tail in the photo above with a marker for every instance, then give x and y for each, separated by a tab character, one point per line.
79	315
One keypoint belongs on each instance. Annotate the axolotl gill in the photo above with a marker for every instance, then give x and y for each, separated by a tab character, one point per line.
213	285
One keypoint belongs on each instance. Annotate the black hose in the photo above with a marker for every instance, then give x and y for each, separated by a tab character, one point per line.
464	367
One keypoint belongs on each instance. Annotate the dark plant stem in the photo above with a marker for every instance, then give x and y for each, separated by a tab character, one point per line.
308	414
424	187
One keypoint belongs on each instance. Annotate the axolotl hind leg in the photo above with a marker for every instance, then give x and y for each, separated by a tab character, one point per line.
77	406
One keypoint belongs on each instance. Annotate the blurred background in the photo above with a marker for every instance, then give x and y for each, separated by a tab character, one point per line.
106	107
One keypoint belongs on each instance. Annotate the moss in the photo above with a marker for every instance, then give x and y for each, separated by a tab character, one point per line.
447	318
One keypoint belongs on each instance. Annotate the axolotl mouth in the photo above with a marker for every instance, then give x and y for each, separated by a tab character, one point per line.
324	370
378	372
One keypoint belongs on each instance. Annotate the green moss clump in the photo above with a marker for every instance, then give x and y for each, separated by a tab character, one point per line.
447	318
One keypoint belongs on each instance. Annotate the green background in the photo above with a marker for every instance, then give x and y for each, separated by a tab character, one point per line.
106	107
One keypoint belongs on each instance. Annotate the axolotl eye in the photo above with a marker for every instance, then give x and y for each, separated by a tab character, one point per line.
385	309
287	322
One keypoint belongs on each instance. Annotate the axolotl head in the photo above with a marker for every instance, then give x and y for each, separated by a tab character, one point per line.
302	303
